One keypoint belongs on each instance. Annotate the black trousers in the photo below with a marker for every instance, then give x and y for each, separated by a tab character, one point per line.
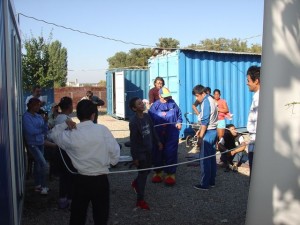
141	179
88	189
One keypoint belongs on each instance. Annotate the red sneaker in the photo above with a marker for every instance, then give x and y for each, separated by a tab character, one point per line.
142	204
170	180
157	178
134	186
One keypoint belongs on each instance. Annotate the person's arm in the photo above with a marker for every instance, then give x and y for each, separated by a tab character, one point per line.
154	134
223	108
241	147
151	96
205	108
61	136
113	147
134	135
195	107
97	101
179	117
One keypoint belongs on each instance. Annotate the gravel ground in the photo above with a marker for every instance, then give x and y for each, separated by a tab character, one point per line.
226	203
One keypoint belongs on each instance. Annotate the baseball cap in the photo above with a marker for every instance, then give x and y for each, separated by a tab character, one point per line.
165	92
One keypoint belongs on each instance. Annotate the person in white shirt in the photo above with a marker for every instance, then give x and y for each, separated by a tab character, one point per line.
253	82
36	93
92	149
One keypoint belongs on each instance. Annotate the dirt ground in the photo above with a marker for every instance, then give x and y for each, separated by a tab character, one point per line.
226	203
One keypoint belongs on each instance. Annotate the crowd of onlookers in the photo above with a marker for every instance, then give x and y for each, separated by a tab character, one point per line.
84	152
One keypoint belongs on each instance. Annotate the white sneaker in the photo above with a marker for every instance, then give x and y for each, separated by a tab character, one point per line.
44	191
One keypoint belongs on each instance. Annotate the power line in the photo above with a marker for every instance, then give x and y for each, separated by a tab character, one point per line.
87	33
126	42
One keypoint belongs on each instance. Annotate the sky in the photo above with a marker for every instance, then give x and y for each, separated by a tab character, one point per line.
136	21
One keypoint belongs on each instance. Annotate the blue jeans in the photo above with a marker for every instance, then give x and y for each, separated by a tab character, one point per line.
208	166
240	157
40	164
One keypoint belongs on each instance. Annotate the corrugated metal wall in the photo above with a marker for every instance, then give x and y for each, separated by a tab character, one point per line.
136	84
224	71
12	166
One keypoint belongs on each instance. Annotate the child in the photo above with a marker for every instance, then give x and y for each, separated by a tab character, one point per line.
207	137
142	138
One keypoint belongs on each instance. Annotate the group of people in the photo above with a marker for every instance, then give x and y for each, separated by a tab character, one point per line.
154	135
82	171
88	148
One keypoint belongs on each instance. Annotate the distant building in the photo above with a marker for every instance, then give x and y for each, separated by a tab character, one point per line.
73	83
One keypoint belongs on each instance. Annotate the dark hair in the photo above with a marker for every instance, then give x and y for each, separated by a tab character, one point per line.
229	126
85	108
89	93
36	87
65	102
207	89
217	90
32	101
198	89
254	73
161	79
132	103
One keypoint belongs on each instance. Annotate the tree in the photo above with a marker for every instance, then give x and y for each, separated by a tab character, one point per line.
58	67
35	63
168	43
43	63
136	57
102	83
223	44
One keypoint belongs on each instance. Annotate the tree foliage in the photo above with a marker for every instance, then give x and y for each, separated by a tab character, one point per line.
168	43
223	44
138	57
102	83
58	67
43	63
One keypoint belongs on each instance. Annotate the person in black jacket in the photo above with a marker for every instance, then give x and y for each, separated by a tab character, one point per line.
97	102
142	139
233	140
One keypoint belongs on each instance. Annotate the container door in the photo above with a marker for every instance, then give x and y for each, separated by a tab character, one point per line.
120	94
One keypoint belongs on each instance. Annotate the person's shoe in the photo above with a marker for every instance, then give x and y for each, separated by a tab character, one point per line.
142	205
170	180
195	149
235	167
200	187
63	203
134	186
44	191
227	169
157	177
212	185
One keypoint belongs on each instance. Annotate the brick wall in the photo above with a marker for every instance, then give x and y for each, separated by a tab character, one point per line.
76	93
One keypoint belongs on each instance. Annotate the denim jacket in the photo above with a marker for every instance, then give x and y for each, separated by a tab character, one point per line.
34	128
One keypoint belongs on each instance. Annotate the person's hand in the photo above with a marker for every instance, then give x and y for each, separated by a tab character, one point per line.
178	126
199	141
160	146
136	162
71	124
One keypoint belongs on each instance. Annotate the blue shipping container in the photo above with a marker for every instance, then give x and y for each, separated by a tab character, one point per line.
226	71
121	86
